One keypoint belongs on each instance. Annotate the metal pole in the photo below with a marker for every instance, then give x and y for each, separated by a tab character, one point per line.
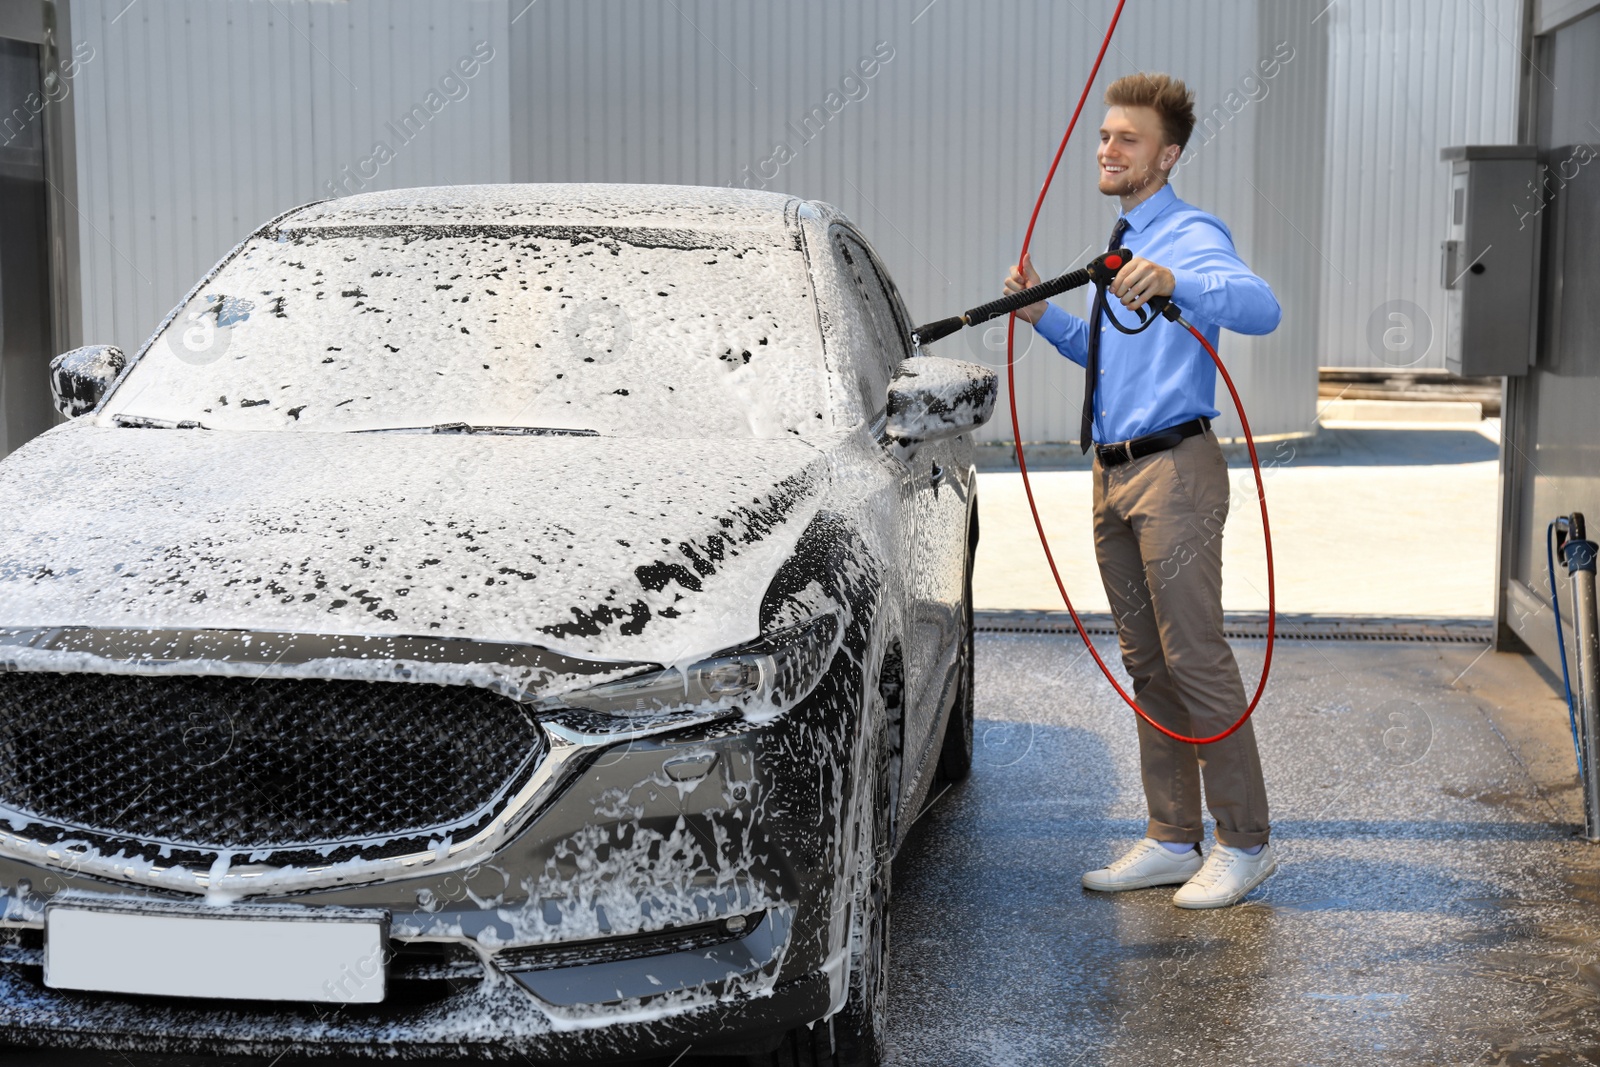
1580	557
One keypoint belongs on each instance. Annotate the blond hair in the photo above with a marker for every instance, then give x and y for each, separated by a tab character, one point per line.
1166	95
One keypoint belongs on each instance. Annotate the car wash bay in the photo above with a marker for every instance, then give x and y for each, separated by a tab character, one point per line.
1431	906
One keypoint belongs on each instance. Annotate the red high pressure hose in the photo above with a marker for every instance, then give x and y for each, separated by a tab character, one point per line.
1022	463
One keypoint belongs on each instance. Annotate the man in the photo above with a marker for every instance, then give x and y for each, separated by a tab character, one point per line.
1161	496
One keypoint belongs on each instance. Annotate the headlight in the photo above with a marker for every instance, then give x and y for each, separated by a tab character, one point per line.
763	679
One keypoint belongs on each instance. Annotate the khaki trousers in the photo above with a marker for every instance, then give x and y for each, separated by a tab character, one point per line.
1158	537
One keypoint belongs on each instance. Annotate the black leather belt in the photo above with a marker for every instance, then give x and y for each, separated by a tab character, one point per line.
1160	441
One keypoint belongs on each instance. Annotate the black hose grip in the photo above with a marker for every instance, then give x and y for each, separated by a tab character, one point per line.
1042	291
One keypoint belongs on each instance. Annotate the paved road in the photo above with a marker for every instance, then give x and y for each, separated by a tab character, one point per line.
1432	907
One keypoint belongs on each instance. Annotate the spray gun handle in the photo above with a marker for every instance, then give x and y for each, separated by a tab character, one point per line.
1158	305
1164	307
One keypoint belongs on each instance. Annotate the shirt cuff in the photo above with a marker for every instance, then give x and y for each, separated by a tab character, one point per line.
1187	288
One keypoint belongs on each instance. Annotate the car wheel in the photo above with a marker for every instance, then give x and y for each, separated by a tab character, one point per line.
859	1030
855	1037
955	757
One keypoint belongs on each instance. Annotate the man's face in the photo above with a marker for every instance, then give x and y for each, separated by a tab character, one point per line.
1133	152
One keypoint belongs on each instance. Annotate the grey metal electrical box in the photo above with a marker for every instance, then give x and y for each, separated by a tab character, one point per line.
1489	264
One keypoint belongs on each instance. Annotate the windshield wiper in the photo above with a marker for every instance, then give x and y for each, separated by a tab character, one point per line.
145	422
513	431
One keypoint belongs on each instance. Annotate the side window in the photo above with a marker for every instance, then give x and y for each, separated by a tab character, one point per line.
891	335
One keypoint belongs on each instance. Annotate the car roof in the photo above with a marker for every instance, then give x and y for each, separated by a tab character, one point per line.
692	207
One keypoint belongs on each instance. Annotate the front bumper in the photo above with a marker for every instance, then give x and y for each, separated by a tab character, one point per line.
494	1021
675	890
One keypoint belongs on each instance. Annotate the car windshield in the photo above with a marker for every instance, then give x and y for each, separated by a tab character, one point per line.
629	333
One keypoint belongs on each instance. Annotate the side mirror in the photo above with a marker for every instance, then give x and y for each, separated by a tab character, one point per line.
79	379
931	397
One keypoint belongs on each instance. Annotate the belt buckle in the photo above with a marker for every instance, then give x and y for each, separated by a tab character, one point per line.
1127	447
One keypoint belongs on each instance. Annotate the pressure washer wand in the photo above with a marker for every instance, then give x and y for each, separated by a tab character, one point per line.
1100	272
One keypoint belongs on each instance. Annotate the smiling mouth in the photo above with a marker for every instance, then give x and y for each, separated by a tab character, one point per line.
1109	169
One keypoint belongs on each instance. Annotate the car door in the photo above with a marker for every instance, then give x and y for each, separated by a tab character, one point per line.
938	503
944	506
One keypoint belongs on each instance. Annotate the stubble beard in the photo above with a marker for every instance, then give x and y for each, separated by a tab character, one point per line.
1130	182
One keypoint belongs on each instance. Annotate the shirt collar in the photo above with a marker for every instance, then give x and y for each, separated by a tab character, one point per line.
1150	209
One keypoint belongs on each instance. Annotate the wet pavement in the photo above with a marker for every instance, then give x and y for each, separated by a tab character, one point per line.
1432	904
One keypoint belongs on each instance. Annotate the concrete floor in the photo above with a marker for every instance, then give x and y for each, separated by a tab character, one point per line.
1358	517
1432	905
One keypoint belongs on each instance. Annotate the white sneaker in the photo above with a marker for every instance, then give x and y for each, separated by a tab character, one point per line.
1145	864
1228	875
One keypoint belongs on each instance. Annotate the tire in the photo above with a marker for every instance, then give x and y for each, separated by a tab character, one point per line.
860	1030
955	755
855	1036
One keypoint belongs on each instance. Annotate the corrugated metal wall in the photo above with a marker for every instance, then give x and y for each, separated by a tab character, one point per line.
197	120
201	118
940	153
1290	168
1406	78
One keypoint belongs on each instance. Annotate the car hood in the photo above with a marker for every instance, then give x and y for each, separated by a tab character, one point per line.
602	548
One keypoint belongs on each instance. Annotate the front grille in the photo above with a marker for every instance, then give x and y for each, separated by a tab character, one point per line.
234	763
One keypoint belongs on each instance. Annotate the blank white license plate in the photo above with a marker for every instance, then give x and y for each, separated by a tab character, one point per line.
237	951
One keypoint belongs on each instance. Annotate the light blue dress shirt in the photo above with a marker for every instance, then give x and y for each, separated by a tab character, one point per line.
1163	377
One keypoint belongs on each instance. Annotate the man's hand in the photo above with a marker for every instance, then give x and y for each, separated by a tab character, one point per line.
1025	278
1139	280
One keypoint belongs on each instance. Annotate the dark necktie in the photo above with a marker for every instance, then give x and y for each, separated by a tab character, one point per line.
1091	365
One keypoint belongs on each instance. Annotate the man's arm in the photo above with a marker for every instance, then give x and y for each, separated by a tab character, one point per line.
1215	286
1066	331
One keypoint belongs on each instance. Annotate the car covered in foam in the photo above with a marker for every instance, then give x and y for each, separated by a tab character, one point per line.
562	591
